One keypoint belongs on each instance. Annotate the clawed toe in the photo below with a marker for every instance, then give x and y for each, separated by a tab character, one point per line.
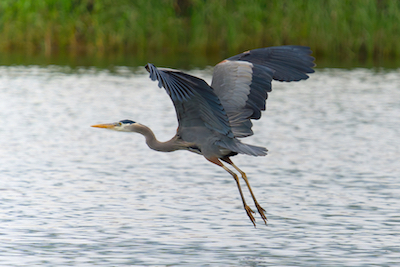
249	212
261	212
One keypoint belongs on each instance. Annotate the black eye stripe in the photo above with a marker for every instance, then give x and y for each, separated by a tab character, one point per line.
127	122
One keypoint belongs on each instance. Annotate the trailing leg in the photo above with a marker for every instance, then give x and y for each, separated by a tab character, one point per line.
259	208
234	175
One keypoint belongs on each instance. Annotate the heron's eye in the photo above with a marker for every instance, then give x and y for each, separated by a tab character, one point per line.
119	123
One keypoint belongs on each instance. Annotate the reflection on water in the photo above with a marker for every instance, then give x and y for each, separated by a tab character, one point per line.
74	195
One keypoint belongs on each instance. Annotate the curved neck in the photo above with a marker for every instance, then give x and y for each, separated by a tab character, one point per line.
154	144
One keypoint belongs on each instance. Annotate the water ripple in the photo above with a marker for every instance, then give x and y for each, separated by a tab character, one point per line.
77	196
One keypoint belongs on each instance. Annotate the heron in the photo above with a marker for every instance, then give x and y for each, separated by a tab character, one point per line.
213	119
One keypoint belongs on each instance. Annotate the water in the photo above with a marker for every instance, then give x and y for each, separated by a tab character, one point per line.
72	195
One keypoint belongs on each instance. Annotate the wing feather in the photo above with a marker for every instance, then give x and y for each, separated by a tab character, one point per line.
194	100
242	82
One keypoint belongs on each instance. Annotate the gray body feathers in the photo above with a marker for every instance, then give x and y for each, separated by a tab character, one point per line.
213	117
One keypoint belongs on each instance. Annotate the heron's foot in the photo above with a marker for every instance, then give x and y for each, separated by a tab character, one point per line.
261	211
249	212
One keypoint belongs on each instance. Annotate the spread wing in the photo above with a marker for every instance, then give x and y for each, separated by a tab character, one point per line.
195	102
242	82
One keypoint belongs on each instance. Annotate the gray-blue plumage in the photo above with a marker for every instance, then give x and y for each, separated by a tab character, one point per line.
194	100
238	93
282	63
290	62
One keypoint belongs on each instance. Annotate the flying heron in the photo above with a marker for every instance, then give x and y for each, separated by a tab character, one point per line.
213	118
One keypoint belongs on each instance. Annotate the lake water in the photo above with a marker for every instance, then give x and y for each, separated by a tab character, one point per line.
72	195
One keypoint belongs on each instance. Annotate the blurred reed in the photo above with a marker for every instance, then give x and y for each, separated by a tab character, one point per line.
351	29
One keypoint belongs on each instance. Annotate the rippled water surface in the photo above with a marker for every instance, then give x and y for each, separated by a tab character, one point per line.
72	195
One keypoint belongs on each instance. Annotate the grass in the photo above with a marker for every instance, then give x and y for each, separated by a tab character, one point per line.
347	29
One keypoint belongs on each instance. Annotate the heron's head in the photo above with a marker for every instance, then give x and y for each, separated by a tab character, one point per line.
122	126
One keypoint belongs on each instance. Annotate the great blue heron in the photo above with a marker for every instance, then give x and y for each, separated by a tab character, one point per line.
212	118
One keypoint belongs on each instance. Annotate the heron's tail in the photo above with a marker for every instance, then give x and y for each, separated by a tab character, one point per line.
242	148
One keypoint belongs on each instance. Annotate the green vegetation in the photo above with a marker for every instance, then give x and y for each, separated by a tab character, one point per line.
351	29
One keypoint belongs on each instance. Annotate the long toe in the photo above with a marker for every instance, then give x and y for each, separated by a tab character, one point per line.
261	211
250	212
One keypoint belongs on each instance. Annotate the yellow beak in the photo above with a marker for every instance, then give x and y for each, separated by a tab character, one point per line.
106	125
